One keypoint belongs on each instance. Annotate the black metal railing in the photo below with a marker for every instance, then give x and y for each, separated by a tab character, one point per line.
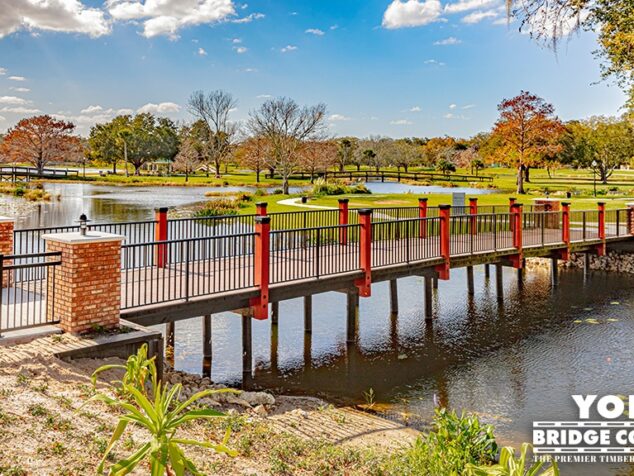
487	232
405	241
313	252
164	271
541	228
27	290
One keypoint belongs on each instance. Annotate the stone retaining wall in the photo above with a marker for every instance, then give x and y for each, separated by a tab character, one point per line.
619	261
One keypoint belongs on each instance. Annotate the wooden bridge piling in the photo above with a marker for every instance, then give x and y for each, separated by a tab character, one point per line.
487	272
470	286
499	281
275	313
170	332
352	320
207	345
428	298
274	346
308	344
247	345
308	314
393	296
554	272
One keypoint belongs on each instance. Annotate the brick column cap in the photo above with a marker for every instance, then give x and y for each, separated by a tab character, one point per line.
77	238
7	220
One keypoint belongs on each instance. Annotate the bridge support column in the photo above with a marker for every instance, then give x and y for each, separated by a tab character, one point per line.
554	272
470	286
247	345
435	283
6	246
352	316
308	314
428	298
487	272
586	265
87	287
499	281
274	345
393	297
275	313
207	346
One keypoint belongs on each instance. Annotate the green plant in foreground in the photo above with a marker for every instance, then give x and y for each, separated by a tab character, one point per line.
161	414
509	465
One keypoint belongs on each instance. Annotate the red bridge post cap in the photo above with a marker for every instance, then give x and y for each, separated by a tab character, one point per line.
344	200
263	220
512	198
262	204
517	205
600	203
422	199
365	211
444	207
565	204
473	198
161	209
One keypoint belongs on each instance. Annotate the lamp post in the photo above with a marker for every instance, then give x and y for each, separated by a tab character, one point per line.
594	175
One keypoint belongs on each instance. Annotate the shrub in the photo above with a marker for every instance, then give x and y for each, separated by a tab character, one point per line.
219	207
322	187
509	465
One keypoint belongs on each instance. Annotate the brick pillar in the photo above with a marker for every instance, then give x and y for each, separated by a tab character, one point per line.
343	220
365	252
6	246
473	211
87	286
422	213
445	244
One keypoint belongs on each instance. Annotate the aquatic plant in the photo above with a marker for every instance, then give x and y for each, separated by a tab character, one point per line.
509	465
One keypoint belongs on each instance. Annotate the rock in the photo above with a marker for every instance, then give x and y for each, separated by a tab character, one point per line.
260	411
258	398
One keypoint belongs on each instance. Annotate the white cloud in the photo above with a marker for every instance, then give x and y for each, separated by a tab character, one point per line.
69	16
401	122
415	109
433	61
453	106
288	48
13	100
542	20
17	78
451	115
477	17
334	27
338	118
20	110
503	21
240	49
452	40
3	71
202	52
236	41
2	118
410	13
466	5
20	90
264	96
250	70
249	18
315	31
91	109
468	106
161	108
124	112
167	17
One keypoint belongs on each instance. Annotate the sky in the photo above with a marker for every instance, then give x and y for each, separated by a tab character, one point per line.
398	68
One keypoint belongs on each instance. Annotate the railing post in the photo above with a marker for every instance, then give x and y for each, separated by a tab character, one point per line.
365	252
473	211
516	221
512	201
260	209
160	234
601	213
445	244
630	218
261	267
422	213
343	221
565	229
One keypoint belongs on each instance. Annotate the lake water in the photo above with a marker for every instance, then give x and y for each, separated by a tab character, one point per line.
511	363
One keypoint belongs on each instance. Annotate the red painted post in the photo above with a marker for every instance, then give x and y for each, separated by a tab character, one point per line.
473	211
630	218
565	223
516	227
343	220
512	201
422	213
365	252
260	209
160	234
261	267
601	247
445	246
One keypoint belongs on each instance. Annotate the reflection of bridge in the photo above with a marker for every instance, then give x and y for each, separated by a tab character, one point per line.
14	174
384	175
178	269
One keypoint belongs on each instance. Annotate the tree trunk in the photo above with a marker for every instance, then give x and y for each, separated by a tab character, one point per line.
217	167
285	185
527	177
520	180
341	166
114	167
257	175
358	167
186	176
406	167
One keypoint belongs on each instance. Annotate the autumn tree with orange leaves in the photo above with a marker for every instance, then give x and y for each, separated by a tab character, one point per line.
253	154
318	156
529	131
40	141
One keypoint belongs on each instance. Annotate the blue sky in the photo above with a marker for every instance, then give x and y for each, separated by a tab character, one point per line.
398	68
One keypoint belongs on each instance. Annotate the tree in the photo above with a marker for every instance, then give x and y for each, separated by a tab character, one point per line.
529	130
445	166
436	149
346	149
189	156
286	126
105	141
214	109
253	153
406	154
318	156
40	141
